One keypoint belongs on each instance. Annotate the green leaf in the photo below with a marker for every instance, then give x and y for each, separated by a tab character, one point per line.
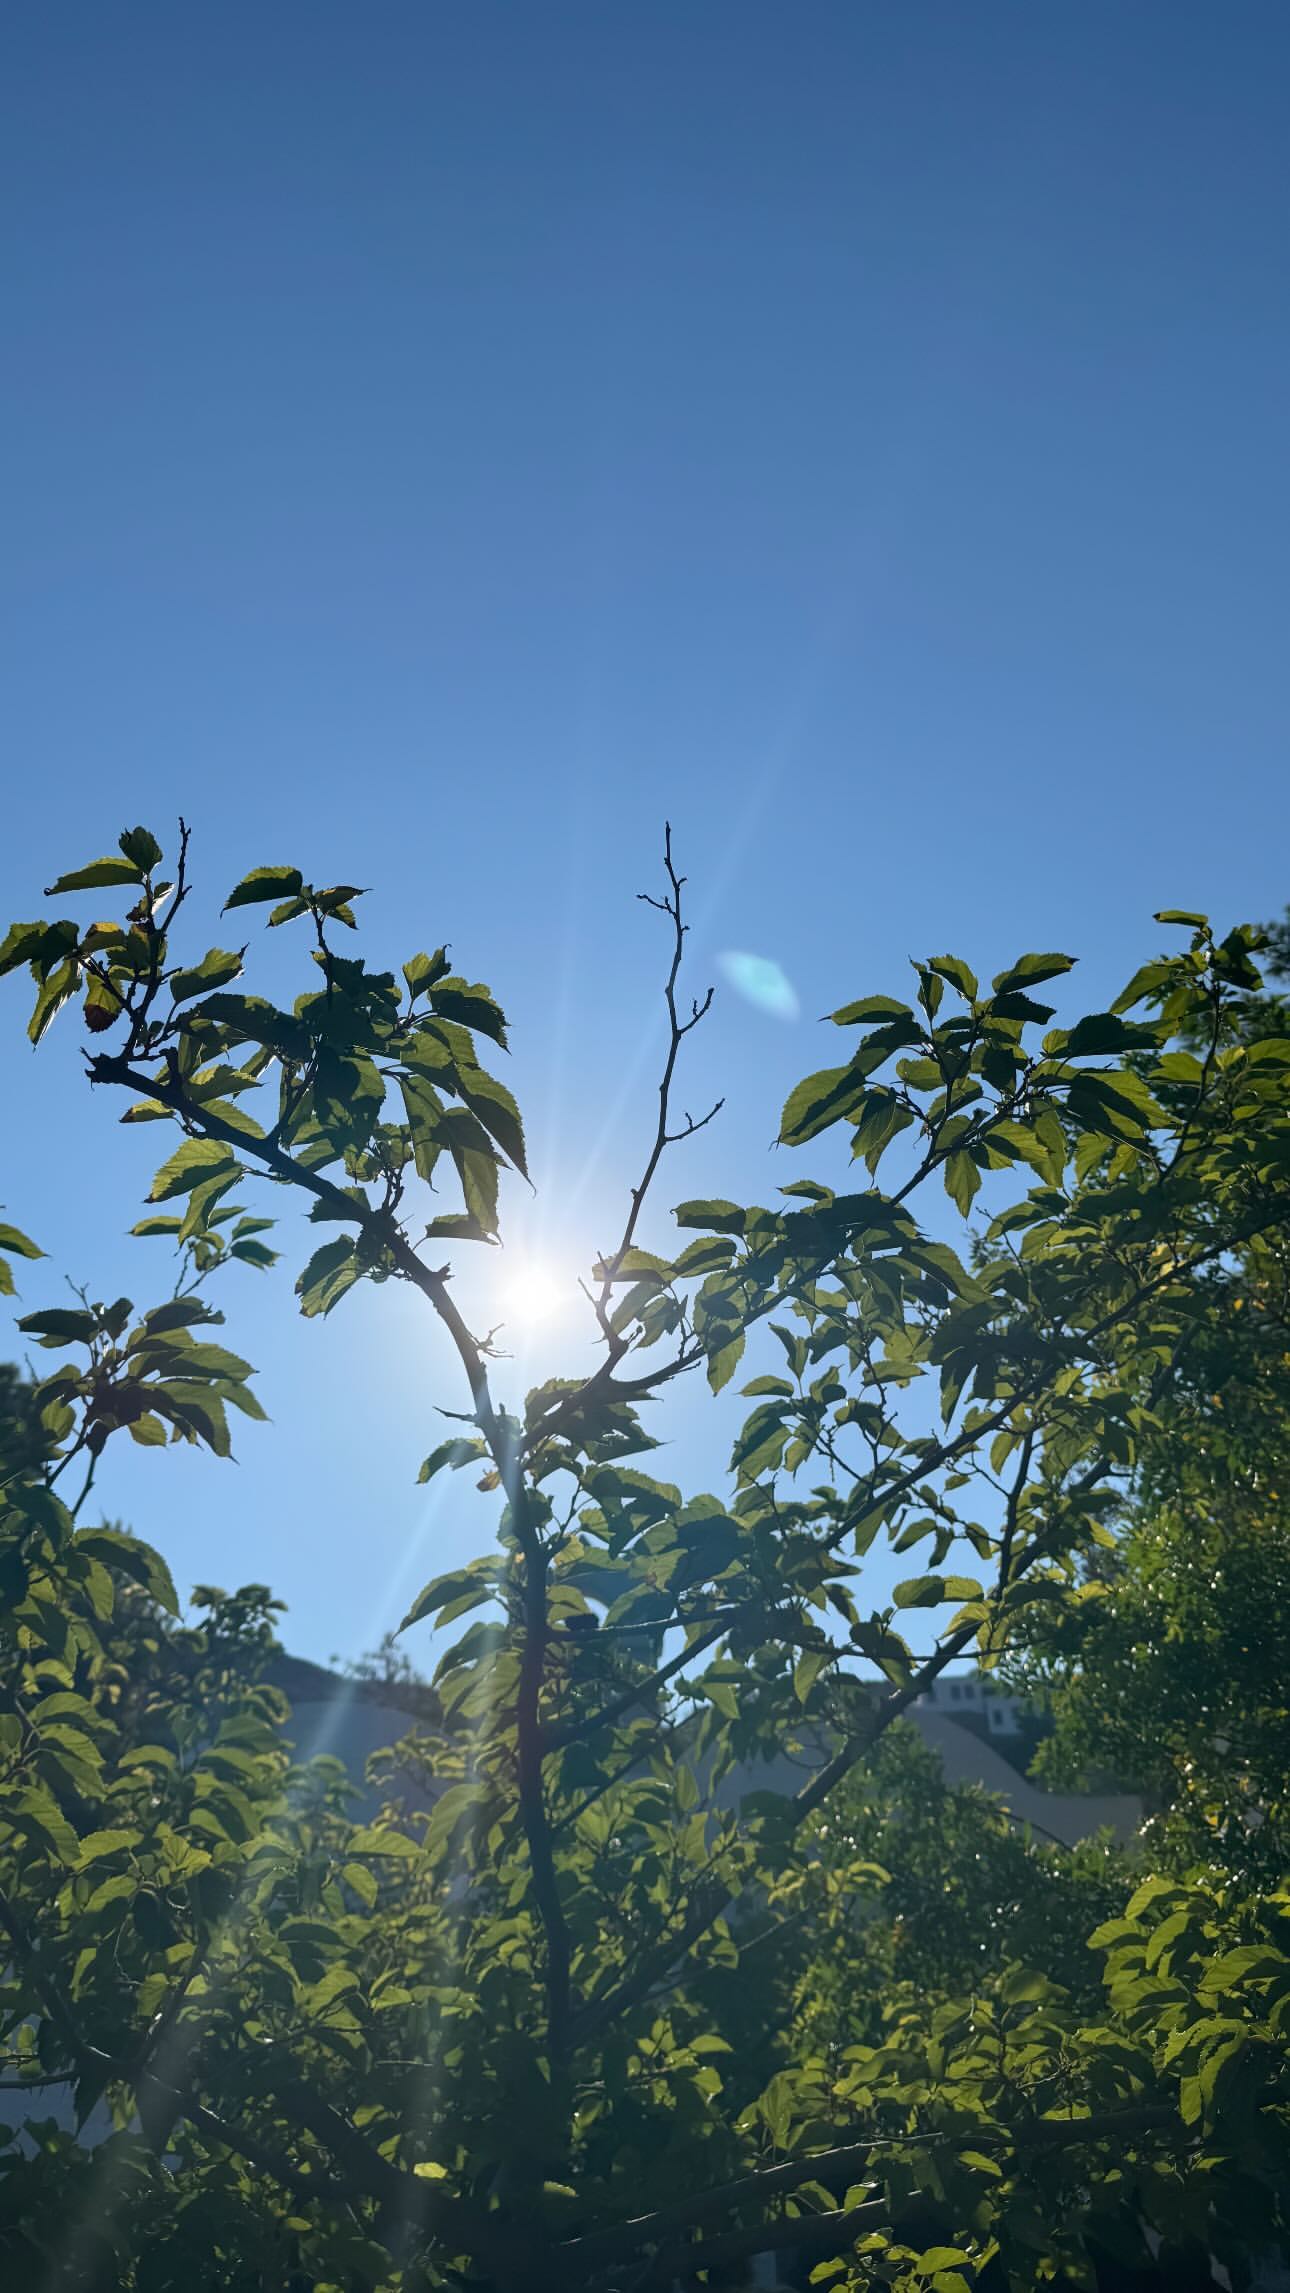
476	1162
179	1314
868	1010
962	1179
190	1165
470	1006
1102	1032
1029	971
60	1326
882	1119
56	990
424	1110
37	1812
819	1100
98	1845
252	1253
425	970
725	1361
348	1096
709	1255
455	1453
458	1590
330	1272
381	1839
807	1671
265	884
1021	1007
218	966
492	1103
722	1217
953	968
1189	916
140	846
11	1238
132	1558
1148	984
98	875
928	1591
979	2163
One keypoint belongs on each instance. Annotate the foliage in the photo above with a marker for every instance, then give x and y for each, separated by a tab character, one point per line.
1175	1681
486	2045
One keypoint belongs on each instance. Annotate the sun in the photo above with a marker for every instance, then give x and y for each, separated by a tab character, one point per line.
531	1294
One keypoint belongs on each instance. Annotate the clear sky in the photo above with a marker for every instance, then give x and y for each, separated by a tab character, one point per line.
442	440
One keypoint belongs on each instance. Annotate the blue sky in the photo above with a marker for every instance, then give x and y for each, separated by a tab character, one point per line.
440	442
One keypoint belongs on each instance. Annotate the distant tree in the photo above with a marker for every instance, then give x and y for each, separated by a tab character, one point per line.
1174	1681
488	2046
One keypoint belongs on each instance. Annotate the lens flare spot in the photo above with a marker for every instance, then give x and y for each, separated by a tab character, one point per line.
760	981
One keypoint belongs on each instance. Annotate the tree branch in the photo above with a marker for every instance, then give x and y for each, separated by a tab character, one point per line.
572	1731
600	1385
529	1756
836	2166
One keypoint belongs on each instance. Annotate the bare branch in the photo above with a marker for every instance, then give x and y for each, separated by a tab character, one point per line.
600	1385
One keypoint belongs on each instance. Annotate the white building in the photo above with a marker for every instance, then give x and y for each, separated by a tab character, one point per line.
963	1695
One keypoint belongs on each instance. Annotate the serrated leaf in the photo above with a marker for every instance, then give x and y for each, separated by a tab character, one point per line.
98	1845
807	1670
35	1810
380	1839
962	1179
1030	970
723	1217
456	1592
218	966
191	1165
953	968
56	989
454	1453
423	970
180	1314
495	1108
1105	1031
330	1272
140	846
725	1361
869	1010
470	1006
148	1431
265	884
424	1109
12	1238
60	1326
96	877
819	1100
924	1591
134	1559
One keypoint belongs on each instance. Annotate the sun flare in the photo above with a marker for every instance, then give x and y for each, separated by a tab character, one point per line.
532	1294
